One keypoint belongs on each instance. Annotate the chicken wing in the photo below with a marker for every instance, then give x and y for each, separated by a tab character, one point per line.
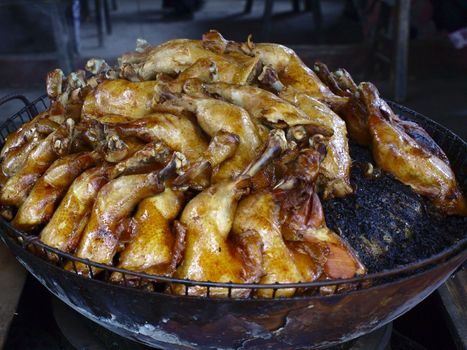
67	223
208	218
174	56
111	213
335	168
18	186
121	97
214	116
40	204
406	151
265	106
178	132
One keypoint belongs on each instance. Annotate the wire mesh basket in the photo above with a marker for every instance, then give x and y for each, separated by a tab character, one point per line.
158	284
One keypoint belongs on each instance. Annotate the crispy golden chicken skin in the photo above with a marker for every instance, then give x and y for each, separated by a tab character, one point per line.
121	97
39	206
175	56
205	160
264	106
302	221
209	254
259	213
403	149
178	132
407	152
17	187
156	244
64	229
335	168
293	73
214	116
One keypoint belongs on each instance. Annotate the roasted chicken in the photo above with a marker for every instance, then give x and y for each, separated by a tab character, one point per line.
207	160
209	253
56	144
403	149
68	221
293	73
178	132
215	116
175	56
40	205
110	215
406	151
158	242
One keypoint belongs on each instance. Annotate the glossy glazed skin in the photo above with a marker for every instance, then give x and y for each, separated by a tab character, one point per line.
17	187
222	147
354	111
259	213
109	216
40	205
217	211
156	245
214	116
110	219
262	105
121	97
16	158
64	229
403	149
294	74
408	153
302	222
17	144
335	168
209	254
178	132
177	55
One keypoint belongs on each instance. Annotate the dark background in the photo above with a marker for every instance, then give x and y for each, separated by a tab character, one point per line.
33	41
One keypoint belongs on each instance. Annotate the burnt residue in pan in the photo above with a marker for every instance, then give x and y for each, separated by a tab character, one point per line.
386	222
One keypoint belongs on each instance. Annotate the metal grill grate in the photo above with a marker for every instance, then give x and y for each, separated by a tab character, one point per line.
157	284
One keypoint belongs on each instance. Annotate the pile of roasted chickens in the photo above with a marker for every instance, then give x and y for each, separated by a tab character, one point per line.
207	160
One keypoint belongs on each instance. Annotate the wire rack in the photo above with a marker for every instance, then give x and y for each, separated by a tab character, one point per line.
158	284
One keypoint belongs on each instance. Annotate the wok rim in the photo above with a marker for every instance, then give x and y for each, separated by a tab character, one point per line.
446	255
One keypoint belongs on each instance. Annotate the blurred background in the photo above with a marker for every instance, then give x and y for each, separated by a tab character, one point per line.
414	51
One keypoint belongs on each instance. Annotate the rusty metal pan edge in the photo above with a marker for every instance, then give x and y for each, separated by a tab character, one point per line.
423	265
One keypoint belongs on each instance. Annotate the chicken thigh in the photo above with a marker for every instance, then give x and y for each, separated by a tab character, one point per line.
208	218
39	206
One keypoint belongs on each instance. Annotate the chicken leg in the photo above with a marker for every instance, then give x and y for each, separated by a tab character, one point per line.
111	212
208	218
39	206
58	143
67	223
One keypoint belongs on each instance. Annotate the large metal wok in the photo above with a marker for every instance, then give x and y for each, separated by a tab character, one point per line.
143	312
